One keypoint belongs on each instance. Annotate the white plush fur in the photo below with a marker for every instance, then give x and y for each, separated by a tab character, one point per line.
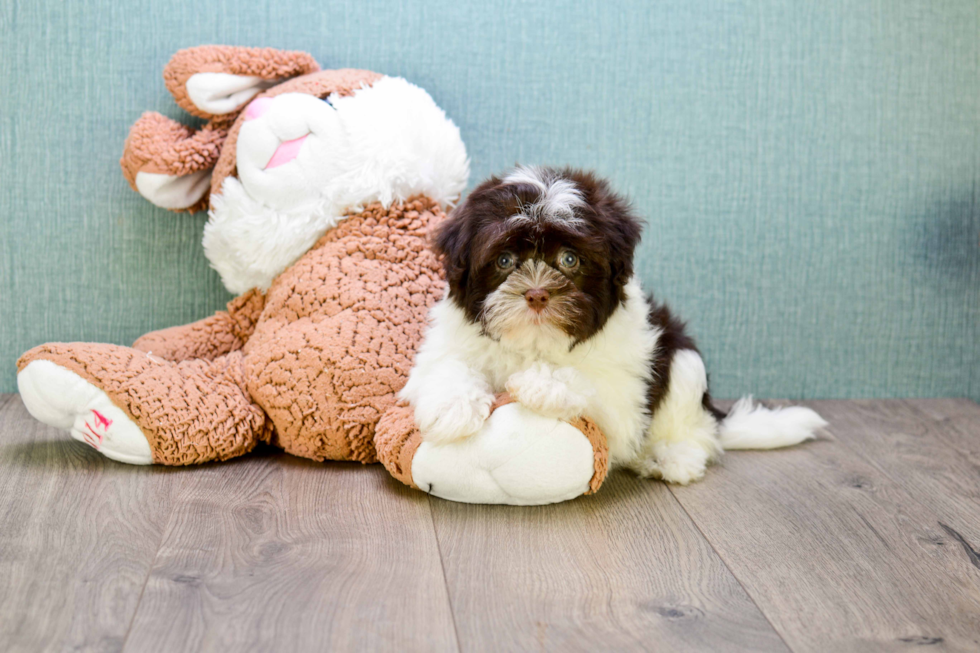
173	191
519	457
384	143
221	93
459	367
60	398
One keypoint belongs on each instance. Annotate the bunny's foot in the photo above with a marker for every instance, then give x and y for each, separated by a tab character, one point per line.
519	457
59	397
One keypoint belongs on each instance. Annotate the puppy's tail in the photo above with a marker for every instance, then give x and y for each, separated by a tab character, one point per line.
751	426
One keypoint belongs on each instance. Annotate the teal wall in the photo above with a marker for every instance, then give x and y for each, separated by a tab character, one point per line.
809	168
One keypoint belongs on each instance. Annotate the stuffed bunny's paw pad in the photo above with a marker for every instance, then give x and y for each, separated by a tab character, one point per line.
60	398
519	457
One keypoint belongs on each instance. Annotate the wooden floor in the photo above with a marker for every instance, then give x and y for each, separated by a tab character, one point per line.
867	539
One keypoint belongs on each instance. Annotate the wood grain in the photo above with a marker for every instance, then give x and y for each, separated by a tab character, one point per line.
929	447
78	534
271	552
622	570
957	422
864	540
839	556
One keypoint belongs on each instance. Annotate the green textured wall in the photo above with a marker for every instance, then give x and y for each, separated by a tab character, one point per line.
809	169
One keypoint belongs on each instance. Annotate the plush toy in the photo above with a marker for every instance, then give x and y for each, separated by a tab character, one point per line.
322	187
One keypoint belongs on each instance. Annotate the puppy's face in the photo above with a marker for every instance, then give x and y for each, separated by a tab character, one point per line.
540	253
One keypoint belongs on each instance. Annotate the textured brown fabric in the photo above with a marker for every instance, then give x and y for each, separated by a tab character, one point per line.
600	451
266	63
501	399
343	82
160	145
333	341
190	412
223	332
397	439
338	334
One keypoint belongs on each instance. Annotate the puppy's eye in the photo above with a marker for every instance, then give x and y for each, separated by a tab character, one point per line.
505	261
568	260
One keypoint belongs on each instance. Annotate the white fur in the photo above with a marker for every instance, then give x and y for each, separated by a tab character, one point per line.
519	457
505	312
384	143
221	93
605	378
561	393
558	197
751	426
60	398
611	370
456	414
683	436
173	191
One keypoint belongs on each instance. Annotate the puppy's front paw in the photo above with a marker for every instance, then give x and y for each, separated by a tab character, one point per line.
675	462
559	393
452	417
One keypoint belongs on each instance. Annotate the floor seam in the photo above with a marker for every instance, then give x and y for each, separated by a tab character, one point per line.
730	570
445	577
149	572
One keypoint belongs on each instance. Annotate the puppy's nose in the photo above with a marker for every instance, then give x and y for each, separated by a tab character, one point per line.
537	299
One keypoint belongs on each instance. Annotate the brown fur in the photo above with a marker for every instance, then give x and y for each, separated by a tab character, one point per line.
604	238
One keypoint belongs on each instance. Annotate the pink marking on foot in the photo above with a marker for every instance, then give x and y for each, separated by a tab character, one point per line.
92	433
88	440
257	107
102	420
94	436
286	152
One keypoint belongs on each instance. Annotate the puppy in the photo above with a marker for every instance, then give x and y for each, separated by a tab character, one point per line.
542	302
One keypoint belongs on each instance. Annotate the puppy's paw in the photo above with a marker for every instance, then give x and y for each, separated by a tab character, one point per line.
453	416
560	393
675	462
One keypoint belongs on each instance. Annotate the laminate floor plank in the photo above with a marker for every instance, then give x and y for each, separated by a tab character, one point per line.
958	422
78	534
929	448
271	552
837	554
624	569
864	540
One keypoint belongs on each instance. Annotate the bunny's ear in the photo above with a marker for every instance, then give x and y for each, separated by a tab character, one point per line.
218	80
170	164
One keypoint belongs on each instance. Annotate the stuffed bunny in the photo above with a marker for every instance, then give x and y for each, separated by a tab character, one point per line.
322	187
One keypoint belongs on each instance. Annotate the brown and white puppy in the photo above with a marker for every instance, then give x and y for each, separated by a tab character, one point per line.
542	302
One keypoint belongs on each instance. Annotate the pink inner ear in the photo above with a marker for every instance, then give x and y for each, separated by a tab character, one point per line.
286	152
257	107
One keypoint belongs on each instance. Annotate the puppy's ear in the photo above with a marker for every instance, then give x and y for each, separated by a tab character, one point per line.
625	233
621	229
452	243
